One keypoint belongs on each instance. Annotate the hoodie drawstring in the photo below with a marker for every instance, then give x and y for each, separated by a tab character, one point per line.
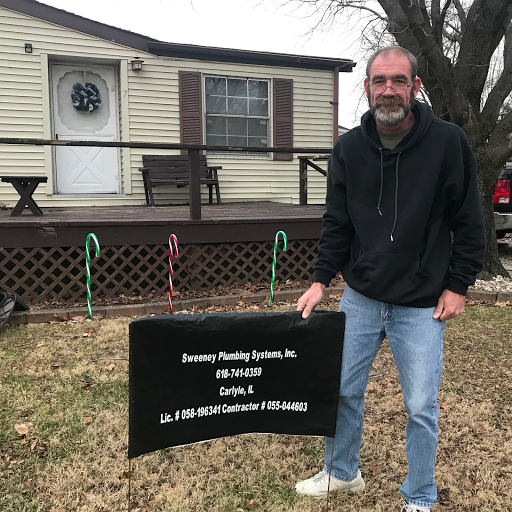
396	196
382	186
381	180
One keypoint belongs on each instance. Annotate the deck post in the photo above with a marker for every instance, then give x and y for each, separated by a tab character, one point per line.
303	181
195	184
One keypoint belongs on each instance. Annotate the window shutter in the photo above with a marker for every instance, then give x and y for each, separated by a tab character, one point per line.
191	108
283	117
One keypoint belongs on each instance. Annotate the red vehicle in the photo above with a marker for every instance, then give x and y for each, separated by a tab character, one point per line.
502	202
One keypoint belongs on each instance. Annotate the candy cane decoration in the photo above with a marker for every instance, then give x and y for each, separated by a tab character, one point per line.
172	239
274	263
87	265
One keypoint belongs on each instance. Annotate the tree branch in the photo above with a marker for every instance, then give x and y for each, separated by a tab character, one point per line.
487	21
452	36
424	12
500	141
461	13
502	88
436	63
438	26
435	11
365	8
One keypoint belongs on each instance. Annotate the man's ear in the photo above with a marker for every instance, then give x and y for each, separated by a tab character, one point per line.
366	86
417	86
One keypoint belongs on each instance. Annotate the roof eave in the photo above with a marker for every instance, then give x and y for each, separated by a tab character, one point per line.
79	23
146	44
206	53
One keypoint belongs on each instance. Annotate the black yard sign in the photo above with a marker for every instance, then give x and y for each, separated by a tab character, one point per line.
200	377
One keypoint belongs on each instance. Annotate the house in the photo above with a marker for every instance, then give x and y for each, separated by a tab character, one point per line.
342	130
143	90
182	93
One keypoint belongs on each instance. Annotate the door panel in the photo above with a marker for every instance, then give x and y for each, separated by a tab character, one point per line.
85	170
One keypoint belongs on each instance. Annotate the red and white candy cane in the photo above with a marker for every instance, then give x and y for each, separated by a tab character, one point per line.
172	239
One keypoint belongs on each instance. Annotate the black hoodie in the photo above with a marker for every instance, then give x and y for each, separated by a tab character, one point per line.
389	213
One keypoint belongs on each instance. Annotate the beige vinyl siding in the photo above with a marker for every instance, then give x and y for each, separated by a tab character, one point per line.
153	112
245	178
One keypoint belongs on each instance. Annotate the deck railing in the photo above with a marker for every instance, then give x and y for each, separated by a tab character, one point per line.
304	162
193	159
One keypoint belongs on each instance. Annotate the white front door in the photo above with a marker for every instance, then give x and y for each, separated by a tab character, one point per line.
85	170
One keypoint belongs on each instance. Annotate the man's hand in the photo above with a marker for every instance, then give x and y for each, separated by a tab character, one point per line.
449	306
310	299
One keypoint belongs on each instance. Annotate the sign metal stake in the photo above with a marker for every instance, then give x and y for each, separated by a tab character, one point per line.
129	485
329	481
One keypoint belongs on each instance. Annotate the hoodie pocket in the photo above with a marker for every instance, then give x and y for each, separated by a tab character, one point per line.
390	277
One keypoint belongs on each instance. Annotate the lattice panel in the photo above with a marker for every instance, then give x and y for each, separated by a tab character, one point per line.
59	273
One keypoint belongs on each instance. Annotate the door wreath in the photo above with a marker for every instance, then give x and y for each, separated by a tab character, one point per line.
85	98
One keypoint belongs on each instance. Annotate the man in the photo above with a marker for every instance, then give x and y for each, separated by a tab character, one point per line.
397	187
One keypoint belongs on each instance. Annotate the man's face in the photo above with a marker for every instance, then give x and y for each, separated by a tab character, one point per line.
391	108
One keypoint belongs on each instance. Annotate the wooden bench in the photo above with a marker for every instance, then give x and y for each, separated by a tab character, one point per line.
173	170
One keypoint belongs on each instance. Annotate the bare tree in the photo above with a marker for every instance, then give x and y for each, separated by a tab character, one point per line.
464	52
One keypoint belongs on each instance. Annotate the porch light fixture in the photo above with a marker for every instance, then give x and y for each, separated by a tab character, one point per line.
28	48
136	64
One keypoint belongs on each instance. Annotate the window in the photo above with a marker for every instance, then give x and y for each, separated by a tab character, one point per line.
237	112
220	102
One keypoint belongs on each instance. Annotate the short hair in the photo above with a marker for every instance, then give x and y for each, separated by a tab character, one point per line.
394	49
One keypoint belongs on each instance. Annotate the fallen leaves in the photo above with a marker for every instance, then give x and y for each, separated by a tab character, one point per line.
86	419
110	367
22	428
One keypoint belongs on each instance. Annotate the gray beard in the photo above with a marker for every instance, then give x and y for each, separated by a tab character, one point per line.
391	118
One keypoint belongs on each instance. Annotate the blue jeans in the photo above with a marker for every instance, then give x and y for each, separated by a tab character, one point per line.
416	340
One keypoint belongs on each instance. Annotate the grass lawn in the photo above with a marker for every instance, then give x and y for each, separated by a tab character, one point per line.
64	430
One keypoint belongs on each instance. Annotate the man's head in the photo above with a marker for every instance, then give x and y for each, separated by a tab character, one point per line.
391	84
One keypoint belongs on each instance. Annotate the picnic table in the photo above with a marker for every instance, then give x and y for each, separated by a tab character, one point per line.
25	186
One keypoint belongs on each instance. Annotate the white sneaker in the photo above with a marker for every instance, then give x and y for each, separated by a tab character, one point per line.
406	507
316	487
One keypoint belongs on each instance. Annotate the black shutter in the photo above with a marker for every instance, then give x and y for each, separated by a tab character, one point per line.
283	117
191	108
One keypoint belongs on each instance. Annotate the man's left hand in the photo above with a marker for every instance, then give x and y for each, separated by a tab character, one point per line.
449	306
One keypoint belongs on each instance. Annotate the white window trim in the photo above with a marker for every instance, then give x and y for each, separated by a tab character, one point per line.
262	156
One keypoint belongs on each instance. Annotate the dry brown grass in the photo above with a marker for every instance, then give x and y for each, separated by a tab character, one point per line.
55	375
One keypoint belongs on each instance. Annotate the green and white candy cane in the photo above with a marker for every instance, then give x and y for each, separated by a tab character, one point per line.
274	263
87	266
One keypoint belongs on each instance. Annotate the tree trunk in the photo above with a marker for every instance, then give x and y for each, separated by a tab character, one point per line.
487	177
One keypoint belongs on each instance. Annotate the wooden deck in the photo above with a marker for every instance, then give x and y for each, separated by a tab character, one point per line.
137	225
